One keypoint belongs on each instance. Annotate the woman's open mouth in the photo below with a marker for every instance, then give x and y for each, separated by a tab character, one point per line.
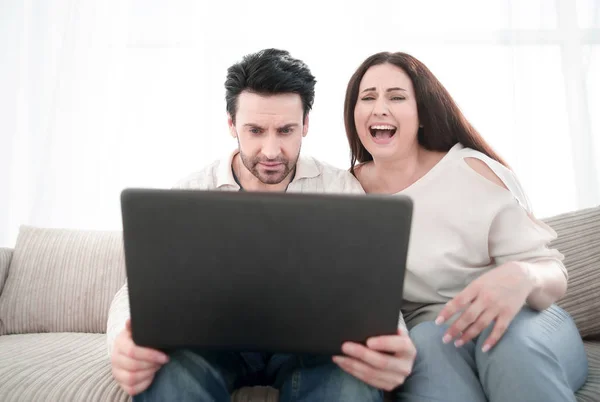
382	133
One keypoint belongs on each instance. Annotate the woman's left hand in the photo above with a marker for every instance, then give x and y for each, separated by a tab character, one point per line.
497	295
384	363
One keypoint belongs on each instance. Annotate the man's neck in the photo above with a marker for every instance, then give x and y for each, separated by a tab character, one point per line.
249	182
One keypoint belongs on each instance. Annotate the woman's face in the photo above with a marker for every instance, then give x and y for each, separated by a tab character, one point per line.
386	114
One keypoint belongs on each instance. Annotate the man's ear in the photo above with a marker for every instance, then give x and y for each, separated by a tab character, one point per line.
232	130
305	126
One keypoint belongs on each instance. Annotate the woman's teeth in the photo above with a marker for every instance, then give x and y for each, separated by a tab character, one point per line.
383	127
382	131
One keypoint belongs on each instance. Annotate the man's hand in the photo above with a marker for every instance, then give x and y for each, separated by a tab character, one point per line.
385	370
132	366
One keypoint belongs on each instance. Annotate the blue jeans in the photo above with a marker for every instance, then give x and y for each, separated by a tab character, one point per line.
195	376
540	358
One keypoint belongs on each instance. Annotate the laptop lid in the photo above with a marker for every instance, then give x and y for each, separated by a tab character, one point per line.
275	272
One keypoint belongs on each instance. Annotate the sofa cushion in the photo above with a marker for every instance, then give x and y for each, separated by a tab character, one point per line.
56	367
590	392
255	394
73	367
579	241
5	257
61	281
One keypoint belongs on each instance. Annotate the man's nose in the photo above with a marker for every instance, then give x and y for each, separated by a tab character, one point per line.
271	147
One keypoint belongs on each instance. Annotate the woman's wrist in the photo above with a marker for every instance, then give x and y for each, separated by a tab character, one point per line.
531	276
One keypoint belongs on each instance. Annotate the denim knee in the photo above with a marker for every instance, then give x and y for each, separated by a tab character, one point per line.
427	338
350	388
326	382
187	376
537	341
525	339
427	332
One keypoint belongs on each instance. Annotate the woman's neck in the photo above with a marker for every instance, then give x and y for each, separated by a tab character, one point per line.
391	176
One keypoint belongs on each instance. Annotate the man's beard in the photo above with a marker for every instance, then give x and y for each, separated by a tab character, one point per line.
263	174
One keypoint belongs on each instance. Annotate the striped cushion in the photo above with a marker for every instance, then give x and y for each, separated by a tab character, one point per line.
5	257
61	281
579	240
56	367
72	367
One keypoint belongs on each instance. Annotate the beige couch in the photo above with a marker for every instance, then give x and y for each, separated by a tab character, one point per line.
57	285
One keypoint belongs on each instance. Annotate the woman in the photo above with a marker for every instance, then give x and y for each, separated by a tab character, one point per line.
481	281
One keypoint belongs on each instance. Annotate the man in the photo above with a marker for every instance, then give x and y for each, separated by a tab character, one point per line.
269	95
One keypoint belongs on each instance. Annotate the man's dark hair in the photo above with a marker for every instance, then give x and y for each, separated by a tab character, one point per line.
269	72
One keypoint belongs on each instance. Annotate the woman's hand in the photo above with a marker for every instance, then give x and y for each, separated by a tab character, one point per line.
384	363
496	296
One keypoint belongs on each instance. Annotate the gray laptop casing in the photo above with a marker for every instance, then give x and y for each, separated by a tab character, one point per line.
271	272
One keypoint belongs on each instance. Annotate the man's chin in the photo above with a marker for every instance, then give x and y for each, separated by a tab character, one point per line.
271	179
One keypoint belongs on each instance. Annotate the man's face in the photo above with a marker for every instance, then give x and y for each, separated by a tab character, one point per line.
269	129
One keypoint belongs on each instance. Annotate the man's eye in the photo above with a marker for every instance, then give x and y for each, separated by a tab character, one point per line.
286	131
255	131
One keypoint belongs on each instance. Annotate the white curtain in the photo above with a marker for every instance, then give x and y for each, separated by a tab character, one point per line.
96	96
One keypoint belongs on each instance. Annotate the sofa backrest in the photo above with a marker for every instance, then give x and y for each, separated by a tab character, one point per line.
64	280
579	241
61	281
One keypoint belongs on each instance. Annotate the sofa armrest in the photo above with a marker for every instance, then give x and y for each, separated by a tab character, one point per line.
5	258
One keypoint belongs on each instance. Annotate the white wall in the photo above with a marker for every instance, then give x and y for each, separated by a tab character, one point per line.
98	96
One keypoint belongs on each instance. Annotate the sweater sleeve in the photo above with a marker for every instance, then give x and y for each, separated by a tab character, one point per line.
517	235
117	316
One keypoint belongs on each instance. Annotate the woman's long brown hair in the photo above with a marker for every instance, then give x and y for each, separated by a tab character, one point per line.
443	123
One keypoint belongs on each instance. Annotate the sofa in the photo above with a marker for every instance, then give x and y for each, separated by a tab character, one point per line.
56	288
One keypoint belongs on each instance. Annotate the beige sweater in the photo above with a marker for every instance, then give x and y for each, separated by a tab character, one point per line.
464	225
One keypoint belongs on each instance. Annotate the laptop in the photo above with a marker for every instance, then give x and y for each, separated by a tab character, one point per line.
267	272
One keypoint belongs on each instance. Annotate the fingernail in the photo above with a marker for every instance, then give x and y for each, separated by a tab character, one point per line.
439	320
459	343
163	359
446	338
485	348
